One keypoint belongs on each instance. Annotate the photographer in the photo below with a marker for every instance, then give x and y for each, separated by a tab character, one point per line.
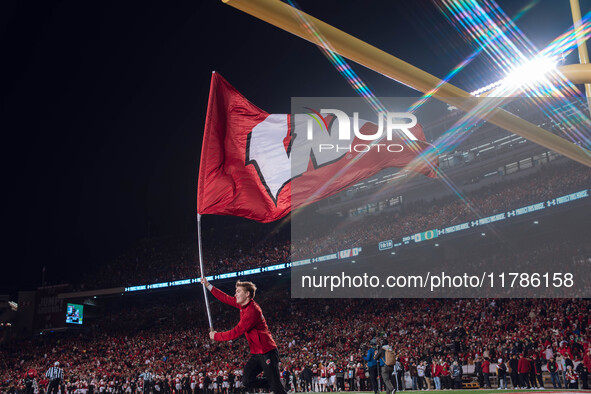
386	366
372	365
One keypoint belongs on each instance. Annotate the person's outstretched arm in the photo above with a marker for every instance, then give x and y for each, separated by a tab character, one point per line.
220	295
249	319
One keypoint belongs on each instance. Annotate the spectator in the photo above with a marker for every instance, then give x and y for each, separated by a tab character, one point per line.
571	378
486	372
502	374
456	374
421	375
583	373
523	368
478	371
552	367
537	370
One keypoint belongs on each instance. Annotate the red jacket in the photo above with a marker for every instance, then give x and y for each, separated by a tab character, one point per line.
486	366
252	324
523	365
436	370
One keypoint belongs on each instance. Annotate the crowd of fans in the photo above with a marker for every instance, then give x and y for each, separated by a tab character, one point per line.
166	336
159	341
552	181
250	245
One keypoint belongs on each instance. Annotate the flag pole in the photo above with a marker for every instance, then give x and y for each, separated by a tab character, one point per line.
202	271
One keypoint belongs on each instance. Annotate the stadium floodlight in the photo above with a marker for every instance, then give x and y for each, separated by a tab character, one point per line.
529	72
486	88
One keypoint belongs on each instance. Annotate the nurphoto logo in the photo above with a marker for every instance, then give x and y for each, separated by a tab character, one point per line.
335	137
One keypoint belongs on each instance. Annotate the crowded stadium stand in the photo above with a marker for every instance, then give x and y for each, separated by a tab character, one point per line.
250	245
164	331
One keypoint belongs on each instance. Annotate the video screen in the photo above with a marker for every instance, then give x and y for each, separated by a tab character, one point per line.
74	313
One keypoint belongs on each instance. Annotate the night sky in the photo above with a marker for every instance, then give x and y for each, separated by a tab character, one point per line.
103	107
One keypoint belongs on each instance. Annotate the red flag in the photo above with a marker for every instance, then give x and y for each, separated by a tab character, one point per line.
252	161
